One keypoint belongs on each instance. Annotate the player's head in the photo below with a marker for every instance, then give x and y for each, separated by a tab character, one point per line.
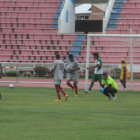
71	58
96	55
123	61
105	75
57	56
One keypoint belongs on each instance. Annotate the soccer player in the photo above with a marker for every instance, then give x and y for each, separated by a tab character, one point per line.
97	72
58	69
72	69
124	74
111	87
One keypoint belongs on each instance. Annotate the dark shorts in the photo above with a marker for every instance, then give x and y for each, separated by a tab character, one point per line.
97	77
110	90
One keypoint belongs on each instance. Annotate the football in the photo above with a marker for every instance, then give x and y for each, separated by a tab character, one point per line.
11	85
68	68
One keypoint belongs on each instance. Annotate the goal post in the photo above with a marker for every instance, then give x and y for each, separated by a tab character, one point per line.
126	42
87	63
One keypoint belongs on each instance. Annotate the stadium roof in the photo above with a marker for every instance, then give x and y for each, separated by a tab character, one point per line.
101	6
83	9
86	8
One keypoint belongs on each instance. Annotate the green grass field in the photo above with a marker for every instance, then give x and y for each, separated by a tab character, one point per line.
33	114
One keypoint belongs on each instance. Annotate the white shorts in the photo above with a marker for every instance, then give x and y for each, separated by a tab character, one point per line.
73	77
57	82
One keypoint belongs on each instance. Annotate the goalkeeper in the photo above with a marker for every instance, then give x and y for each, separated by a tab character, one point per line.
111	87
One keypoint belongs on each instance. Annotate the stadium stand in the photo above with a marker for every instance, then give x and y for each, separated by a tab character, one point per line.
124	16
28	32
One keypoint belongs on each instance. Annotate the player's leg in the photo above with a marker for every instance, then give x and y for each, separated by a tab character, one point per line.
64	93
69	79
123	82
69	84
94	78
75	82
112	91
106	93
62	90
76	89
99	78
58	92
90	87
57	87
92	82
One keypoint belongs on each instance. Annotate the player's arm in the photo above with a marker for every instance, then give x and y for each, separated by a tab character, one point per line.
53	68
102	87
76	68
96	66
93	66
103	83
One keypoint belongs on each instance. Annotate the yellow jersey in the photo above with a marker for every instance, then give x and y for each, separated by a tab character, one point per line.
127	75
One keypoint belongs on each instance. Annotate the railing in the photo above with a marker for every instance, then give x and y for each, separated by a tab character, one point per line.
107	14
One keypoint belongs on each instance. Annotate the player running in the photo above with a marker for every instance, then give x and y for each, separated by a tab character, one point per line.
111	87
58	69
97	72
72	69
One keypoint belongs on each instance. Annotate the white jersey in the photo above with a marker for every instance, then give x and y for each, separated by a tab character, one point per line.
58	68
72	65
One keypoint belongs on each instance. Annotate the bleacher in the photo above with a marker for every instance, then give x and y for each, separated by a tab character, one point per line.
29	33
124	16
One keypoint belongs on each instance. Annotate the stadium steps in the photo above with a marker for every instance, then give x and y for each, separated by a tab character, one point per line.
55	22
125	17
26	33
76	47
112	23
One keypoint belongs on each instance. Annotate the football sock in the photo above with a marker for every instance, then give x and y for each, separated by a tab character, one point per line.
76	88
58	93
70	85
62	90
91	85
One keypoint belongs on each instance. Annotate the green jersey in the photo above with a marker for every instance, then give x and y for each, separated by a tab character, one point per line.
99	69
110	81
